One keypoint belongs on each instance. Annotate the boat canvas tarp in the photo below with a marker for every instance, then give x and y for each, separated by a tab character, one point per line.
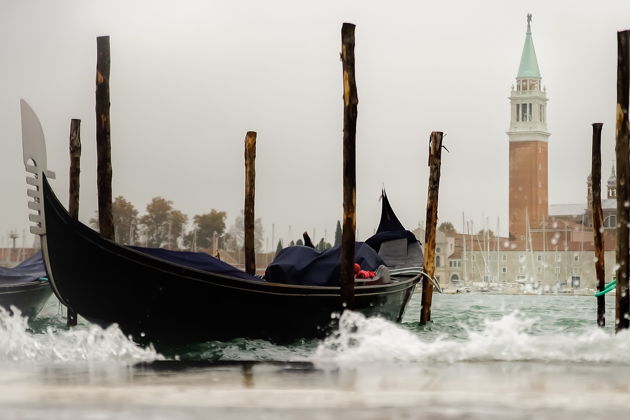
197	260
31	269
389	228
306	266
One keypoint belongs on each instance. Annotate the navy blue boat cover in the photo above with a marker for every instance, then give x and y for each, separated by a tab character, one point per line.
306	266
197	260
389	228
31	269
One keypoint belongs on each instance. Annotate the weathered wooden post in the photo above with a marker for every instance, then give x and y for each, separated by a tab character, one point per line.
596	205
248	212
73	196
75	167
350	101
622	308
435	160
103	139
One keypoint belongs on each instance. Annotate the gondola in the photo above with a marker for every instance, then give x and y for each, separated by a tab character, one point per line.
164	302
25	287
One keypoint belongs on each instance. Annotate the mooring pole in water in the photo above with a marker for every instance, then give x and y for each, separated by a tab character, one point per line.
435	160
75	167
103	139
248	212
622	307
73	196
350	101
596	205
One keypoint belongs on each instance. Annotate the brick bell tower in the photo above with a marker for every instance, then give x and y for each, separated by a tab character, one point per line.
528	137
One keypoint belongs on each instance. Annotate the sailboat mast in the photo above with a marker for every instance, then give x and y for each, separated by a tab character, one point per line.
531	245
544	255
464	246
497	253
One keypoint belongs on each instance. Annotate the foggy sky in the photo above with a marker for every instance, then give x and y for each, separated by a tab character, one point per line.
190	78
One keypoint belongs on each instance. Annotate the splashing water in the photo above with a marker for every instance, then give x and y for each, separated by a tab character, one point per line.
465	328
510	338
90	343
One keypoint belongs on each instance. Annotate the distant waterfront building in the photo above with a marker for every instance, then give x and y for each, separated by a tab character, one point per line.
549	247
528	137
10	257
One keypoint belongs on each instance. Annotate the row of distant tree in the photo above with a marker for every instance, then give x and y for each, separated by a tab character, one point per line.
163	225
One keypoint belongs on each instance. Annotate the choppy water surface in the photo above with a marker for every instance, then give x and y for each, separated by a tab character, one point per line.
483	356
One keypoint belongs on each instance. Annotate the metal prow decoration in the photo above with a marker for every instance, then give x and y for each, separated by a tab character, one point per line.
35	164
34	153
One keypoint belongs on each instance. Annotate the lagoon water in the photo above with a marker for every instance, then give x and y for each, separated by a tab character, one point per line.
483	356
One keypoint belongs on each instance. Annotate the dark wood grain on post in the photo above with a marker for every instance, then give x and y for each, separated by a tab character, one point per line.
103	139
622	307
435	161
350	102
250	183
75	167
596	194
73	196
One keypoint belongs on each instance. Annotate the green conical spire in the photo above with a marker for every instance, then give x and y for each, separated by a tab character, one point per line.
529	63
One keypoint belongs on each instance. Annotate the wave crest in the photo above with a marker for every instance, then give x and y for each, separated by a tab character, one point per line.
510	338
90	343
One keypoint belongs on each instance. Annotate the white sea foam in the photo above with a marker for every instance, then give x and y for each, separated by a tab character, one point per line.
90	343
511	338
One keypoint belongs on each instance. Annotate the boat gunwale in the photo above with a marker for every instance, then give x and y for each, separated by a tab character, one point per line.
23	287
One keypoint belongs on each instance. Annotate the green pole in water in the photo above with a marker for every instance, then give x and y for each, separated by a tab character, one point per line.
609	288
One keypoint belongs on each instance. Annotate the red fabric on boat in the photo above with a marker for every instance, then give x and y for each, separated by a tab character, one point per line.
362	274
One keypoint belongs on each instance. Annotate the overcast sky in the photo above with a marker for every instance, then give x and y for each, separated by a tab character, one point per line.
190	78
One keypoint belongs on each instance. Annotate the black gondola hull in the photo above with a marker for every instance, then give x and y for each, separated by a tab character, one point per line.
161	302
28	298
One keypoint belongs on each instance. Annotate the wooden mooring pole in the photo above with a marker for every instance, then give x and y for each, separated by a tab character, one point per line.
103	139
73	196
596	205
248	212
622	307
435	160
350	102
